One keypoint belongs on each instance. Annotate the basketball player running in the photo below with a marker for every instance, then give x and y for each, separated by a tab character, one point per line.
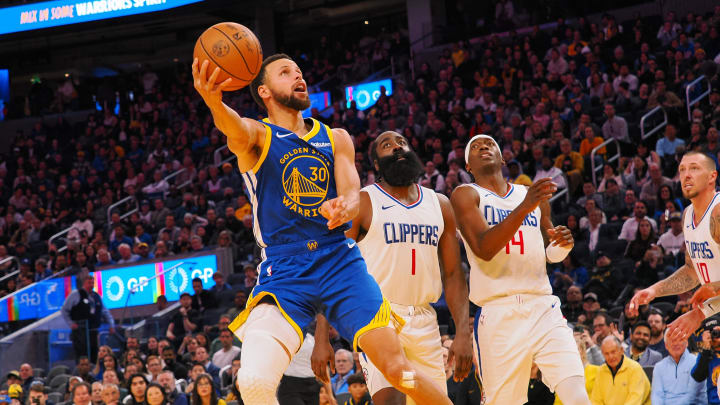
406	233
304	188
506	229
702	248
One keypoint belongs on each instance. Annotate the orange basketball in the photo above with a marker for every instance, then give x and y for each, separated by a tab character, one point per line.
234	49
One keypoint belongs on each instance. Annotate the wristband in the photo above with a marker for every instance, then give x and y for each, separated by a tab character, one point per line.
555	253
710	307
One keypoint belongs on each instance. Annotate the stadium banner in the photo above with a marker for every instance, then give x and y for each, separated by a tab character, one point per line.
366	94
65	12
119	286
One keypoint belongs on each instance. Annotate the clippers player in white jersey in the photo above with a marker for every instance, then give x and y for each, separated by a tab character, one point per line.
701	229
509	237
407	236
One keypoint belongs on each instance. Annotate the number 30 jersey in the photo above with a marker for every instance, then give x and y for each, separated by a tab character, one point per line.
519	267
401	246
702	249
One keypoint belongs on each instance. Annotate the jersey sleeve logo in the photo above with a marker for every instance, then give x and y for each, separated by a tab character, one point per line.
305	181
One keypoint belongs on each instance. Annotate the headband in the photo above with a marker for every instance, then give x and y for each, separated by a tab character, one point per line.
473	139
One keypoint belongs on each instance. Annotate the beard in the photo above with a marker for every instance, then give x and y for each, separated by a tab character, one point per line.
400	173
688	194
290	101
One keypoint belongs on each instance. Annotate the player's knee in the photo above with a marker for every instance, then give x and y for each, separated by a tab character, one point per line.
396	371
255	388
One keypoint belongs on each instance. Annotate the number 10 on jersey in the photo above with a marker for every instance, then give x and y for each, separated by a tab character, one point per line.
703	271
517	240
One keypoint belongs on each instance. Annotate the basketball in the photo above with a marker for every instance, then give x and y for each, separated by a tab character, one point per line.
234	49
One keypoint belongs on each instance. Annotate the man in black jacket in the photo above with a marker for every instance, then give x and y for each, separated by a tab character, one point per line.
203	299
84	311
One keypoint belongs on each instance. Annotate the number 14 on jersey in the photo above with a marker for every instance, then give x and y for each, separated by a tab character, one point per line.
517	240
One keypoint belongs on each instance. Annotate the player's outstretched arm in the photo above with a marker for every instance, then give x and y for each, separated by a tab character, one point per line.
485	241
345	207
456	292
361	223
244	135
322	353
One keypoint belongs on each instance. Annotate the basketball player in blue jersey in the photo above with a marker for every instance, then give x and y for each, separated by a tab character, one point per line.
509	238
407	235
304	189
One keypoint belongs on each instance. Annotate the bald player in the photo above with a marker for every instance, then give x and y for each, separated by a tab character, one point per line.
701	228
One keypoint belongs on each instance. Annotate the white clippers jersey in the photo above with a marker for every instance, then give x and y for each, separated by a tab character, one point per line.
519	268
401	246
703	251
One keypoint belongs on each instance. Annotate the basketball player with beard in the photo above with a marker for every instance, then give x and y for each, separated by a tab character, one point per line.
406	234
701	228
301	179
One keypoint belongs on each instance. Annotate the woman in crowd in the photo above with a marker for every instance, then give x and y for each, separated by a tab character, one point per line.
204	393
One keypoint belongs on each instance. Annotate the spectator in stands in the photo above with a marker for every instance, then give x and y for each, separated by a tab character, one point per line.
84	311
26	377
81	394
201	356
220	284
96	393
37	395
548	170
630	226
590	193
110	394
651	188
204	392
620	380
432	178
657	332
662	96
118	238
644	239
202	299
344	366
515	174
171	363
671	382
184	322
154	368
104	258
170	227
239	302
638	349
228	352
159	214
111	377
615	127
570	162
155	395
572	308
167	380
138	385
126	254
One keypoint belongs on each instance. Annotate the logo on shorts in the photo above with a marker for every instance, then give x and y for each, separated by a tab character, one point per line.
269	271
481	319
365	373
312	245
220	48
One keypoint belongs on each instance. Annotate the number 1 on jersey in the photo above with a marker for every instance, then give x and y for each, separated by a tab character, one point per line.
702	269
518	242
413	262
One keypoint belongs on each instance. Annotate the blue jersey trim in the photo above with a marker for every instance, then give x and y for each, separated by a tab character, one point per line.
512	188
704	213
477	324
415	204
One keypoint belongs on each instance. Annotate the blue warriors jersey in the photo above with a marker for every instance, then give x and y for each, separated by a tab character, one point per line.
293	176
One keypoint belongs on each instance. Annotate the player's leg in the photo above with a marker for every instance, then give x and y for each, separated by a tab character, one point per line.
504	358
556	353
381	391
420	338
383	348
389	396
268	343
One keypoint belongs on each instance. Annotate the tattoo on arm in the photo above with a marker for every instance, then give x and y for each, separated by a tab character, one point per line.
682	280
715	225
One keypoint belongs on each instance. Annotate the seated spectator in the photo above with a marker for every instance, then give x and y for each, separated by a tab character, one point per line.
126	254
155	395
154	368
204	392
220	284
80	394
202	299
548	170
167	380
591	141
110	394
228	352
171	363
216	344
644	238
515	174
590	193
569	273
83	368
621	380
239	302
657	332
630	226
344	366
432	178
651	188
184	322
638	349
671	382
572	308
615	127
571	163
96	393
201	356
138	385
37	395
359	394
